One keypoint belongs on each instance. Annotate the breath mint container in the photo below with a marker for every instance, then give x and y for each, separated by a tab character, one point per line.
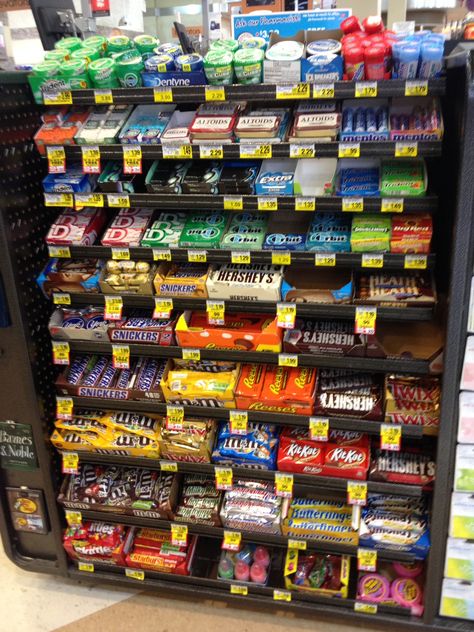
95	41
254	42
57	55
227	44
146	44
102	73
69	43
129	67
248	64
189	63
159	63
74	72
118	44
87	54
218	67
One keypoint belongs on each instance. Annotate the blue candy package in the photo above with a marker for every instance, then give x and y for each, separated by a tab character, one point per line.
328	241
256	449
73	181
276	177
281	241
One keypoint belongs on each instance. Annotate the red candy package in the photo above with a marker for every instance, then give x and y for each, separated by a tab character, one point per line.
95	541
152	549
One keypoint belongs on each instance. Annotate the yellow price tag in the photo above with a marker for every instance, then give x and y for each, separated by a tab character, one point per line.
318	428
89	199
287	359
267	203
214	93
215	312
416	88
64	406
233	203
390	437
323	91
235	589
85	567
174	417
90	159
291	562
70	462
120	254
240	257
366	560
161	254
357	493
103	97
372	260
61	252
232	540
286	315
179	534
305	150
281	595
406	149
197	256
391	205
132	159
169	466
61	298
133	573
364	89
281	258
192	354
162	94
56	159
223	477
238	421
283	484
294	91
121	356
113	307
349	150
365	319
118	200
73	518
255	150
163	308
214	152
325	260
63	97
299	545
60	352
353	204
304	203
59	199
365	608
416	262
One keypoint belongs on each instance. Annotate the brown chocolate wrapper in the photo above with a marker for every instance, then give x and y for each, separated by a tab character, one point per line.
410	468
324	336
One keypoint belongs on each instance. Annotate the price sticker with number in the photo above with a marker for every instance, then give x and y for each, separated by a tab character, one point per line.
61	352
197	256
287	359
366	560
390	437
318	428
305	150
169	466
58	97
103	97
372	260
73	518
415	262
70	462
407	149
240	257
391	205
267	203
223	478
282	258
364	89
365	320
293	91
64	407
174	417
214	152
416	88
325	260
323	91
56	159
365	607
215	312
231	541
134	573
357	493
121	356
281	595
91	159
283	484
237	589
352	204
85	567
113	307
161	254
120	254
61	252
233	203
179	534
214	93
163	308
118	200
163	94
88	199
255	150
348	150
193	355
177	152
300	545
132	159
238	421
304	203
59	199
286	315
61	298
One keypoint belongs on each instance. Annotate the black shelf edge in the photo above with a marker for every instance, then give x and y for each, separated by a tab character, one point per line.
193	202
372	149
249	536
404	314
222	414
414	367
259	92
319	484
343	259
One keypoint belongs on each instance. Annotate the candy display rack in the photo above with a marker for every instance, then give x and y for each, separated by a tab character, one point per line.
26	368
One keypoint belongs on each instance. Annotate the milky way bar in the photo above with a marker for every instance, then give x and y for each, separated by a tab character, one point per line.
200	503
193	514
412	468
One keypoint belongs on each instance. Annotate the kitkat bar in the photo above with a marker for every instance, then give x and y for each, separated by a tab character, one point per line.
76	228
346	454
409	467
324	337
276	389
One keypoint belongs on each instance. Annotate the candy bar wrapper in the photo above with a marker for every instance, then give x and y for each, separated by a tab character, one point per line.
393	521
401	290
322	531
343	380
408	467
426	390
266	434
324	336
251	506
192	444
66	440
200	501
417	543
135	423
399	504
84	424
153	552
245	451
325	575
119	443
95	542
140	328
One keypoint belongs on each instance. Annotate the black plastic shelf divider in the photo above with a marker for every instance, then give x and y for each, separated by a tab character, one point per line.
222	414
380	365
343	259
372	149
264	307
260	92
249	536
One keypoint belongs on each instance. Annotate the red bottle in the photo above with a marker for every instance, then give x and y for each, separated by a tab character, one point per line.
374	60
372	24
350	25
354	62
